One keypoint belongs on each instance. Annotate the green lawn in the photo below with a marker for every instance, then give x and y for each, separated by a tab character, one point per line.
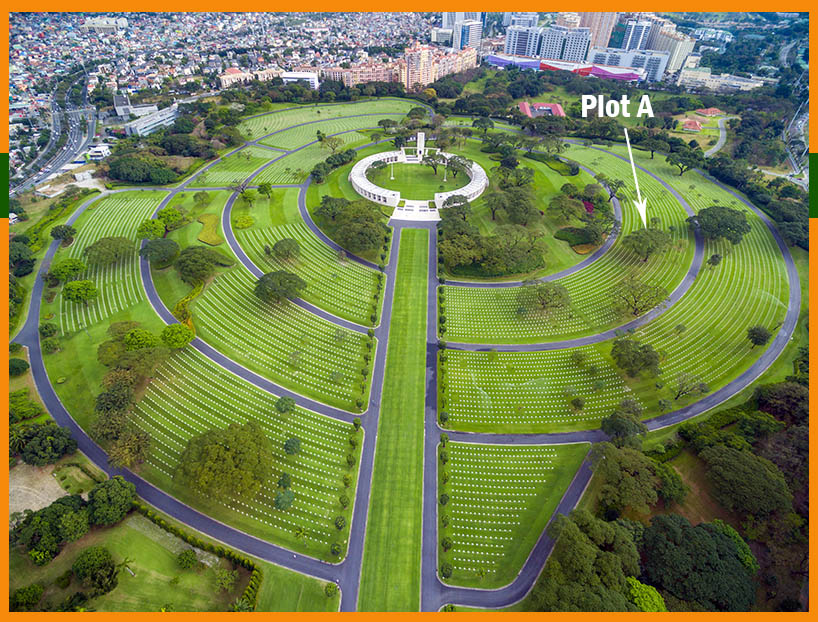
390	576
415	181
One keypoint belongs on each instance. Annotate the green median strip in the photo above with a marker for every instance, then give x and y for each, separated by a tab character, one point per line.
390	576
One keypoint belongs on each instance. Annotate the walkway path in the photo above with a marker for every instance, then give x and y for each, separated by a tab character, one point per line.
347	573
722	138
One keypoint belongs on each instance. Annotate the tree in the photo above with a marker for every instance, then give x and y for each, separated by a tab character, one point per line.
286	248
160	251
624	428
331	207
634	357
96	569
685	160
292	445
646	242
139	338
201	198
696	564
635	297
563	208
689	384
433	160
26	598
758	335
64	233
628	477
80	291
280	285
483	123
714	260
197	263
169	216
226	579
456	206
746	483
458	164
645	597
332	143
17	367
186	559
249	196
284	499
150	229
66	269
543	297
176	336
787	401
653	144
131	447
265	188
359	227
520	205
285	405
495	200
45	443
717	222
284	481
110	501
222	463
107	251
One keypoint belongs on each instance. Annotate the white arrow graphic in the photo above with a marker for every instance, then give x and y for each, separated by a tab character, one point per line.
641	204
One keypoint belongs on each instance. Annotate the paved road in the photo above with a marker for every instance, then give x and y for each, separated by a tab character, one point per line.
434	593
722	137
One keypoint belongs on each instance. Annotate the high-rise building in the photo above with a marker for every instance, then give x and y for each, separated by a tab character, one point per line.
654	63
467	33
636	35
523	41
418	70
677	45
561	43
570	20
507	18
423	64
450	18
601	25
441	36
526	20
658	24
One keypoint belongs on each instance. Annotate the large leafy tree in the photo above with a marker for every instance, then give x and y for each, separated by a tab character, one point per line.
176	336
197	263
718	221
543	298
746	483
564	208
96	568
685	159
635	357
106	251
628	478
65	233
80	291
700	564
45	443
633	296
110	501
161	250
66	269
646	242
220	464
359	227
279	285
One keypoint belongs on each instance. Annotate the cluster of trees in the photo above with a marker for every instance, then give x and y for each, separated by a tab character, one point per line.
322	169
130	355
140	168
221	464
196	264
21	257
21	407
257	95
356	225
43	533
589	205
280	285
40	443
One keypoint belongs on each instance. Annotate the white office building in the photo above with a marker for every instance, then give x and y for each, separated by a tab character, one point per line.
523	41
636	35
467	34
526	20
654	63
451	18
152	122
561	43
309	77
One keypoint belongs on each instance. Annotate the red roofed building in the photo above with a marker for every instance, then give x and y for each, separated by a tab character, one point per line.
540	109
711	112
691	126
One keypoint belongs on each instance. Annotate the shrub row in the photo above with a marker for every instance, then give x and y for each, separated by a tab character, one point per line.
181	311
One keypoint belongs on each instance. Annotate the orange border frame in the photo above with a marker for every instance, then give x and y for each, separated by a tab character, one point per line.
372	5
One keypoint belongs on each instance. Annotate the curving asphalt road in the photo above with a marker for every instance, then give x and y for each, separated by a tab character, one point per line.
434	594
722	138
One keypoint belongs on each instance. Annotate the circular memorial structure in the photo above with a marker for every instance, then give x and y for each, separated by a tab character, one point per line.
425	209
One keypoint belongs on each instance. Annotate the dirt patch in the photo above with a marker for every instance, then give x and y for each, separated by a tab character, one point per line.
32	488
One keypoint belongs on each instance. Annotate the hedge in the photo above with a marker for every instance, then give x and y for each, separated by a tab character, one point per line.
181	311
554	163
573	235
210	229
250	593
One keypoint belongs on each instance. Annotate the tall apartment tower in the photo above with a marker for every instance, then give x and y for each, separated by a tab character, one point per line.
467	34
570	20
636	35
523	41
677	45
419	66
561	43
601	25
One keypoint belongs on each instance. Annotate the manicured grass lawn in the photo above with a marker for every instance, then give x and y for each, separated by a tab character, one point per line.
304	134
390	576
234	169
152	557
285	590
280	209
500	499
415	181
